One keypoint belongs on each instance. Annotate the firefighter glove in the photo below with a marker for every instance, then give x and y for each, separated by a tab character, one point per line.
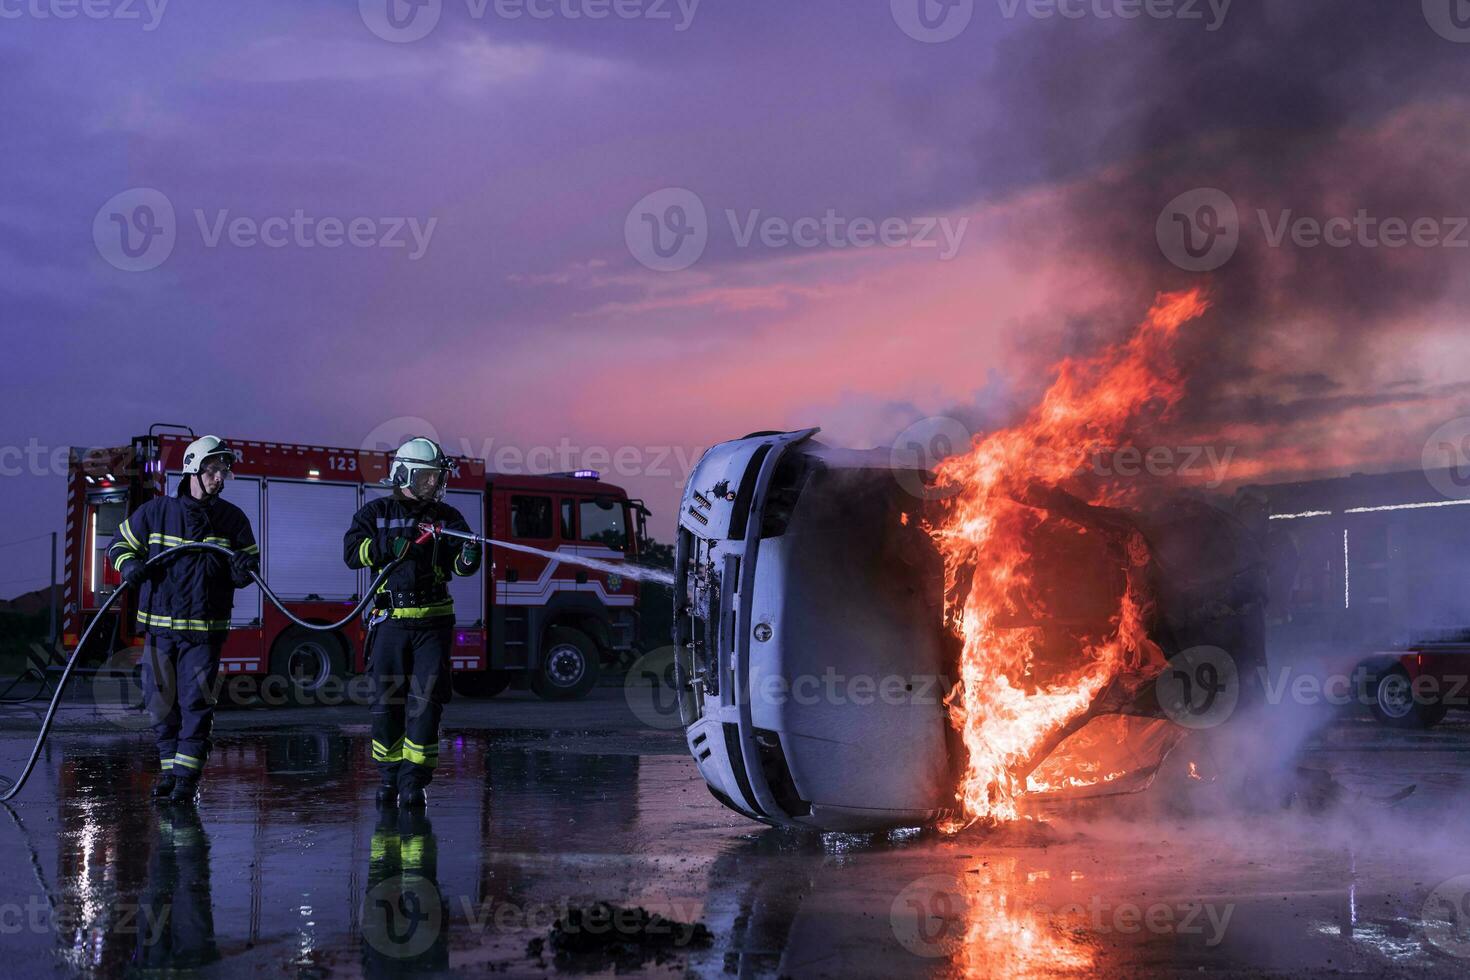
241	565
133	573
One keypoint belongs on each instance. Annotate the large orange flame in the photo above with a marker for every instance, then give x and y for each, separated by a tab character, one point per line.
1007	710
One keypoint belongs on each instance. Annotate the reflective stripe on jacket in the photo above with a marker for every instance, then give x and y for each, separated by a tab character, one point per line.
193	592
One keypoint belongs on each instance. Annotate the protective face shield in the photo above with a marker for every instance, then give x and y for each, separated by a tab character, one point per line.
428	484
220	466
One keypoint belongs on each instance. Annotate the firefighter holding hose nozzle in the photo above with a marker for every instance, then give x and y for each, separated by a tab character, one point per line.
184	606
412	626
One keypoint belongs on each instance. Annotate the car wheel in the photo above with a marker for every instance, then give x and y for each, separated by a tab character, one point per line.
308	662
480	683
569	665
1394	703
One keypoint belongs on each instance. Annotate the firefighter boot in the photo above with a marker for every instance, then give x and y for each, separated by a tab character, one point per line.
414	798
164	787
185	789
387	795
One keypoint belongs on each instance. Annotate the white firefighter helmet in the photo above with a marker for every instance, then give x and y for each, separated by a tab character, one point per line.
204	448
421	467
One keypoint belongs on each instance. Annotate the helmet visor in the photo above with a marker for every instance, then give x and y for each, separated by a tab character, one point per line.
222	464
426	483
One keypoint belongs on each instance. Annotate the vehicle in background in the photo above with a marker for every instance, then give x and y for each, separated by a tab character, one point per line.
1377	568
529	619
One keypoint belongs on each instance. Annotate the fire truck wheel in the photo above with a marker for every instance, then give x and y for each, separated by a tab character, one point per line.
569	665
308	662
1395	705
480	683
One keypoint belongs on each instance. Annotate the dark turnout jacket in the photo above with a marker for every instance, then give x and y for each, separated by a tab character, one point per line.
194	592
418	590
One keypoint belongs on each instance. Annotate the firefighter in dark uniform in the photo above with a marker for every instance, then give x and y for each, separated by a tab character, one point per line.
184	606
409	645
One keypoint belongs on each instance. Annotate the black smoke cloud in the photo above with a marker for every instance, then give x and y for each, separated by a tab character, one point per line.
1319	109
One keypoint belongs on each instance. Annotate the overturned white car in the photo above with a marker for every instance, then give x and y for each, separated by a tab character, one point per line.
811	637
819	675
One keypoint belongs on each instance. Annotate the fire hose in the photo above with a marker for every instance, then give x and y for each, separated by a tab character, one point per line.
9	787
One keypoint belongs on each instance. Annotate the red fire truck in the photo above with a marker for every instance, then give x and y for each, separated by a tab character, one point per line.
530	620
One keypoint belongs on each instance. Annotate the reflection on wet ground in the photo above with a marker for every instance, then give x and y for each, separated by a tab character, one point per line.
285	868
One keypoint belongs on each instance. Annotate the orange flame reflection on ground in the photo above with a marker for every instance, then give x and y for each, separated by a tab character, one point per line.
1004	712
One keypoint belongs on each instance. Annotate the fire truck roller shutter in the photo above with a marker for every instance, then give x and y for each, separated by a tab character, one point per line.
244	492
304	522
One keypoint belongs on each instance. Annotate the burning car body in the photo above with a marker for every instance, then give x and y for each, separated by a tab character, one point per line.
872	645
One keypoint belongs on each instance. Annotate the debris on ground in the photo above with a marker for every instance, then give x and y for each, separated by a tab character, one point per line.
602	935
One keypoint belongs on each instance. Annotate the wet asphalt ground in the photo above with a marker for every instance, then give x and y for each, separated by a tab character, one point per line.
285	869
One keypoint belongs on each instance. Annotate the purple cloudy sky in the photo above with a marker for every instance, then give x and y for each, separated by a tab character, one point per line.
1046	146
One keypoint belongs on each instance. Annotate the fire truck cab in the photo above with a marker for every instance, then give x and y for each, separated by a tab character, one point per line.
524	618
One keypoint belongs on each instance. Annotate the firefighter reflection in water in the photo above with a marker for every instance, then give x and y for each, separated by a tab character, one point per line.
175	923
184	606
404	926
412	627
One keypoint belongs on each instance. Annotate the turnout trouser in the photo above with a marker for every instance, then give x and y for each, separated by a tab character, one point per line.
410	671
178	684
